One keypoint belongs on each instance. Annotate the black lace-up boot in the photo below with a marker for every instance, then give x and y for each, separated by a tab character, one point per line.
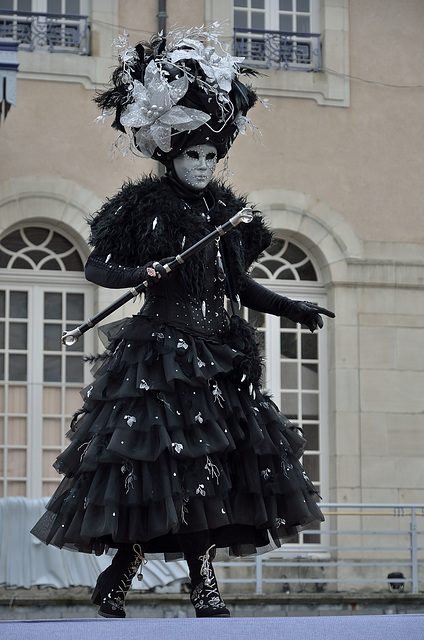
205	596
114	582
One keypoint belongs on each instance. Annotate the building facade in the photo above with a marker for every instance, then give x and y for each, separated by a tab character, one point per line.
337	170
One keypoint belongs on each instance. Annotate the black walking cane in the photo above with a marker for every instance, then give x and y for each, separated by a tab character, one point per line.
70	337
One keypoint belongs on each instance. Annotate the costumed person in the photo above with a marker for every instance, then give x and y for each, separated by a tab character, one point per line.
176	452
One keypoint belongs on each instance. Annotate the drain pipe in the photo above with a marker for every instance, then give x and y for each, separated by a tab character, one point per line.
162	17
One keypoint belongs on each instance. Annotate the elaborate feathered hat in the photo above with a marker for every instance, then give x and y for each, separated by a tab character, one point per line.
172	93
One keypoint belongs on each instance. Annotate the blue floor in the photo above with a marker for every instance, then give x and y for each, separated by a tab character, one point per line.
396	627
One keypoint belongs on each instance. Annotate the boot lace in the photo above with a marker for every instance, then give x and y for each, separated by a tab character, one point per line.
136	565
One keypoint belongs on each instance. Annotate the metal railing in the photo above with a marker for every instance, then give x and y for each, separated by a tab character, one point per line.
53	32
279	49
366	547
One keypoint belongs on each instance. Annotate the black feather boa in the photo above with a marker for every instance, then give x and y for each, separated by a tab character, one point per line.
147	220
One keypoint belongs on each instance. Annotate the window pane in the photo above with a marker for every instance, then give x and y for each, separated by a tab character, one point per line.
2	304
18	335
13	242
309	346
257	318
286	23
258	4
294	253
303	24
288	345
4	260
16	489
289	375
24	5
285	323
1	335
18	304
75	306
311	466
16	463
53	305
302	6
59	244
17	431
311	435
74	369
240	19
52	431
310	406
36	235
1	366
310	376
52	369
240	3
51	265
52	337
17	367
73	262
18	399
72	7
289	405
7	5
258	20
79	344
36	255
286	5
54	6
257	272
21	263
307	272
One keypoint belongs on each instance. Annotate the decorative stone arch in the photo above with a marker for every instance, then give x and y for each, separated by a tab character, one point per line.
58	202
318	228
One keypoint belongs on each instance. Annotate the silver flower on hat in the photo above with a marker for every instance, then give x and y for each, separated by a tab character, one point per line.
155	112
219	70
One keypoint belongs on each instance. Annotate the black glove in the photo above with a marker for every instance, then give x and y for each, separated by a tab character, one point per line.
106	273
307	313
258	298
152	272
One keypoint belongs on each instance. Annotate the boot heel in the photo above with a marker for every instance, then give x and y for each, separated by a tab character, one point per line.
96	596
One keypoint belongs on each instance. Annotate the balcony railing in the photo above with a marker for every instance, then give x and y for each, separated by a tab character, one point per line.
279	49
365	547
46	31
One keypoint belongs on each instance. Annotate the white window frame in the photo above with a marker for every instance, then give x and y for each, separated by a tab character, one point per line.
272	13
40	6
35	283
331	86
92	71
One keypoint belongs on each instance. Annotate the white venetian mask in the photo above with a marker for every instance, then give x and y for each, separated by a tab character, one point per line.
196	165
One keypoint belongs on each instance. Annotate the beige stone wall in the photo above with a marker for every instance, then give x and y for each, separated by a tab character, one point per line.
339	168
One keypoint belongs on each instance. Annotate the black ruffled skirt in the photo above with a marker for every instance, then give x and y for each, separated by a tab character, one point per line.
171	440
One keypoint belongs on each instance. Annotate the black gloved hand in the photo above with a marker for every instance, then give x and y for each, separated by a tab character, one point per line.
307	313
258	298
153	272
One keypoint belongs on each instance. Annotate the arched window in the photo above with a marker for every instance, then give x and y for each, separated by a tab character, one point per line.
42	294
39	248
295	359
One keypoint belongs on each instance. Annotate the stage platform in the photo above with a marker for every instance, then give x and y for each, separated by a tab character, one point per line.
398	627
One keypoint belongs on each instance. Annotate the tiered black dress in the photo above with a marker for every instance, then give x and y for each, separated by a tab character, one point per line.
174	437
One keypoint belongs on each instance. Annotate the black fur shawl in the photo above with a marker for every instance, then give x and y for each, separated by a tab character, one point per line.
147	220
